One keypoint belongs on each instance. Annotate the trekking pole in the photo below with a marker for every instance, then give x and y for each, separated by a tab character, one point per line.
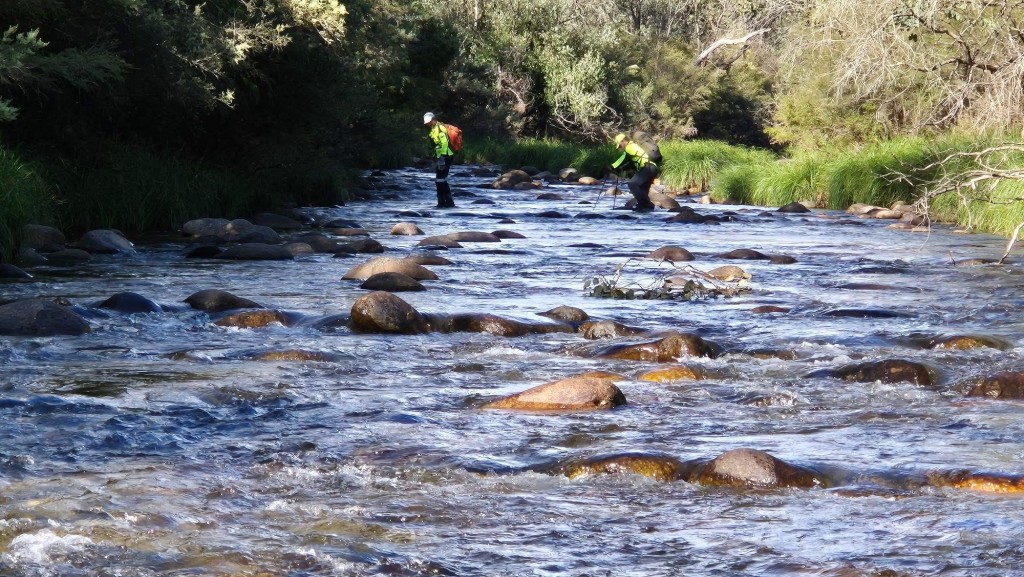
616	190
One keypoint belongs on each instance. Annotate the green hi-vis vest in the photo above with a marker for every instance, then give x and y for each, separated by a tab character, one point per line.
439	136
636	154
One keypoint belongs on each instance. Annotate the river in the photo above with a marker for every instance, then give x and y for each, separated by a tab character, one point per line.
157	445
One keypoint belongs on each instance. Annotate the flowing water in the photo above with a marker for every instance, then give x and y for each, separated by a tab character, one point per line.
157	445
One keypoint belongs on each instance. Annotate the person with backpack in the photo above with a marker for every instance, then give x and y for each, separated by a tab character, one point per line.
445	148
645	168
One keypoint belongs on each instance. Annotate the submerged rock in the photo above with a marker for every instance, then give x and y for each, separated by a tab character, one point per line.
657	467
496	325
673	374
663	350
886	371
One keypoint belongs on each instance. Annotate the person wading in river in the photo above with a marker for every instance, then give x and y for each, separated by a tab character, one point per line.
644	171
443	160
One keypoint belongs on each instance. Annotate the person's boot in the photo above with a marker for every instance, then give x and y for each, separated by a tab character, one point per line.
445	201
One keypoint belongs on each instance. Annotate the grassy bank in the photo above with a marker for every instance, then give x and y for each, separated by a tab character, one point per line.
879	174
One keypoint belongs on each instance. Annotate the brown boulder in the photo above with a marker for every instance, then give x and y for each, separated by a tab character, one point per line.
508	234
671	254
215	301
381	264
673	374
886	371
664	350
657	467
765	309
566	314
745	254
444	240
1002	385
586	392
752	468
495	325
608	330
473	236
392	282
428	259
966	342
728	273
406	228
383	312
972	481
255	319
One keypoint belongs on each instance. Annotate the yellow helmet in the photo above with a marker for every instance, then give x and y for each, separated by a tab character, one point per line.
619	138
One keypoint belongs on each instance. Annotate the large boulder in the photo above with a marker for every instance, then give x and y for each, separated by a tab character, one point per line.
967	342
406	228
510	179
42	238
496	325
105	241
1001	385
608	330
586	392
728	273
216	300
130	303
383	264
255	251
671	253
886	371
256	319
473	236
752	468
566	314
383	312
663	350
392	282
40	318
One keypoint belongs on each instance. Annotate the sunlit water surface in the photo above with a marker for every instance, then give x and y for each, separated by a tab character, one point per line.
155	446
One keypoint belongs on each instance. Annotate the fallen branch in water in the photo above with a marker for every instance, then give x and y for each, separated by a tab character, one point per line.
683	283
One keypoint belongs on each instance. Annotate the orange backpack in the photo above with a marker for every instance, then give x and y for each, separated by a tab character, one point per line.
454	137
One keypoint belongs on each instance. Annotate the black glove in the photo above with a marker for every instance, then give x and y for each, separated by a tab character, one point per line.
611	169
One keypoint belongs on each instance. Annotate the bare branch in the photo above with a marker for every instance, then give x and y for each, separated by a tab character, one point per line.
725	42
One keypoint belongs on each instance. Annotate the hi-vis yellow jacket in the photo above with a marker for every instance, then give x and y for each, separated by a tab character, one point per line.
439	136
636	155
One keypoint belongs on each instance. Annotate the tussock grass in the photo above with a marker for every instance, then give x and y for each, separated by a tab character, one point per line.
26	197
694	164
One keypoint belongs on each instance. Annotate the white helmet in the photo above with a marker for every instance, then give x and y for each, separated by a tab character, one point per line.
428	117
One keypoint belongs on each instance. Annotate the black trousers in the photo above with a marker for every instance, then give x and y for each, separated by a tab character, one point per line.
640	185
444	192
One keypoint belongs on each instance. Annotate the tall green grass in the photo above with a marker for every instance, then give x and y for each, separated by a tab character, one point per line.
544	154
694	164
26	197
134	189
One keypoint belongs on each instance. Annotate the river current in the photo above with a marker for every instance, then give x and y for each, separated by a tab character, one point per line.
157	445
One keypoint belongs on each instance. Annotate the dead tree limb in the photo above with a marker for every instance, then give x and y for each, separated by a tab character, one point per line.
703	56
